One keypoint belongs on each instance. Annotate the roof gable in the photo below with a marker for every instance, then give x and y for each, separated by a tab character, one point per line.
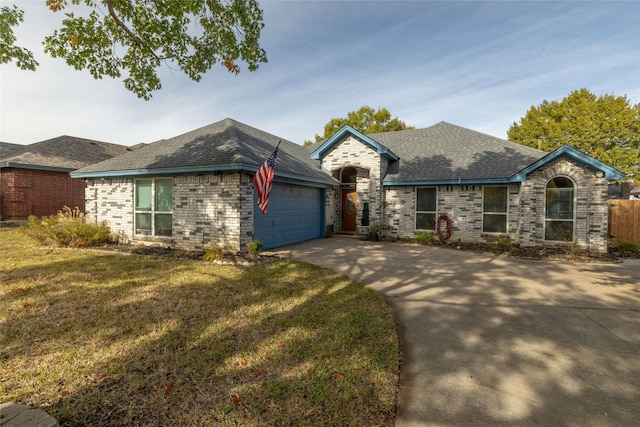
347	130
63	153
577	157
226	145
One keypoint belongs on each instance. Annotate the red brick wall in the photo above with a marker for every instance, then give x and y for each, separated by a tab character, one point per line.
25	192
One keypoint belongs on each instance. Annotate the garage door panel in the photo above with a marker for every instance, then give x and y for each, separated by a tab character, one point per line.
295	214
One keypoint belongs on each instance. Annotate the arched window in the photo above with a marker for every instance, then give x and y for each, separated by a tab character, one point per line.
559	210
348	175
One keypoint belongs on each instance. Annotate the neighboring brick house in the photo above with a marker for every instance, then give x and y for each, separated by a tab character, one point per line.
34	179
195	191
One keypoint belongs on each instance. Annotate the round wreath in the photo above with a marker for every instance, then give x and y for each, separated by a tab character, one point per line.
446	235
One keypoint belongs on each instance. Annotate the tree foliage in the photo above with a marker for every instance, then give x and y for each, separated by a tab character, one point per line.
133	38
9	18
605	127
366	120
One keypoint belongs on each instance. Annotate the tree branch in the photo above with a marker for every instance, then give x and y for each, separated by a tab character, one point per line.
137	40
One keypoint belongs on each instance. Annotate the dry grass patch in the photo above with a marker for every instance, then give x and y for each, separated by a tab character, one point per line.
112	339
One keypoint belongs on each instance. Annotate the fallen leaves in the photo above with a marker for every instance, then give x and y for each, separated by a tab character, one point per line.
169	388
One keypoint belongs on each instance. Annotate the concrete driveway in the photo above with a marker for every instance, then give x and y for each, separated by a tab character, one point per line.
492	340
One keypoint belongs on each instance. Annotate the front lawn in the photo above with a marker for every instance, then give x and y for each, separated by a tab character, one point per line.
105	338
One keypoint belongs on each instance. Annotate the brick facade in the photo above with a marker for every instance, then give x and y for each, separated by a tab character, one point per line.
370	168
209	211
25	192
461	203
591	205
396	205
213	211
111	201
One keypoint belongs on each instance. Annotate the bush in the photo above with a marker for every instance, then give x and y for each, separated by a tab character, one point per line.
502	244
627	248
213	255
69	229
424	238
364	221
255	248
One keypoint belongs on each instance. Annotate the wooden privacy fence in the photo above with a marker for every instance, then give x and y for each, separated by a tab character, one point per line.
624	220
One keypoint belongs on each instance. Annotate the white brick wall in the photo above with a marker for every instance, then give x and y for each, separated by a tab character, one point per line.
353	152
461	203
111	201
209	211
591	214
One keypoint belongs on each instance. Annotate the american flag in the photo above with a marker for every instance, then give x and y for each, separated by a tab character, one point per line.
263	179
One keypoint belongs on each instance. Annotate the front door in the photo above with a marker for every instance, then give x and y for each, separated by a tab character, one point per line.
349	209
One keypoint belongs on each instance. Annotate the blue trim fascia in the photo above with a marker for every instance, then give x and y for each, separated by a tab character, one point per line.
35	167
232	167
165	171
611	174
283	176
483	181
346	129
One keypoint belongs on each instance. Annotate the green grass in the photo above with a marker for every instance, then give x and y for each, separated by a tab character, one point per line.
105	338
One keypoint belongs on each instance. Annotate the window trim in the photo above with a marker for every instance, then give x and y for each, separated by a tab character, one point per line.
573	211
416	211
505	213
152	212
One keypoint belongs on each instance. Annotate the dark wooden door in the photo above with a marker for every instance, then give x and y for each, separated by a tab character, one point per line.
349	209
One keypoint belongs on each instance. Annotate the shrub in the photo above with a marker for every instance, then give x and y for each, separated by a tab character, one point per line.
627	248
364	221
213	255
502	244
424	238
255	248
68	228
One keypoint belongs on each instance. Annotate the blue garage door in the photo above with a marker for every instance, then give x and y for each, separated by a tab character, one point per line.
294	214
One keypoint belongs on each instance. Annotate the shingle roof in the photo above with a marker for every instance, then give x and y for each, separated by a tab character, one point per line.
8	149
62	153
224	145
449	153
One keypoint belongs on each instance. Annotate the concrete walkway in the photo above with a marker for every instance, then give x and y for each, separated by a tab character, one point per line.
17	415
493	340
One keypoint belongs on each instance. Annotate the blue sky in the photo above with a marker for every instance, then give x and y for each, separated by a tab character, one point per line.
480	65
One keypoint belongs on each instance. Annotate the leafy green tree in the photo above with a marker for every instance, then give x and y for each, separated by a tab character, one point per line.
605	127
365	120
9	18
136	37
